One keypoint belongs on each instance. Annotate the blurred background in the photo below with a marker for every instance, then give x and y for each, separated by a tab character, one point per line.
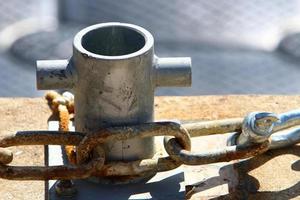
237	46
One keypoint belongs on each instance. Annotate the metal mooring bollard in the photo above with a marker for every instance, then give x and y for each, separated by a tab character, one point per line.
113	73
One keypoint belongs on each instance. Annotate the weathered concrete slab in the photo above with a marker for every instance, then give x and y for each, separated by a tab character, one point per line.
23	114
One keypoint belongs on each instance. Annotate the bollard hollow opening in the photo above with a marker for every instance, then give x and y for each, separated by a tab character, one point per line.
113	41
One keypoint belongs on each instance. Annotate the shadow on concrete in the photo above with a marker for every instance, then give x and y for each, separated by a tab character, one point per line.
248	185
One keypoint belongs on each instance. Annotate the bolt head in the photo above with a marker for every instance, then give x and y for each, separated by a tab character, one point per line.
65	188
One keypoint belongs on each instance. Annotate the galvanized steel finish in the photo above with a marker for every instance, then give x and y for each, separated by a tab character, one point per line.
282	130
114	72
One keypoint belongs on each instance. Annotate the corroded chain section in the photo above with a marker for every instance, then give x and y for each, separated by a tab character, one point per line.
45	173
86	167
254	135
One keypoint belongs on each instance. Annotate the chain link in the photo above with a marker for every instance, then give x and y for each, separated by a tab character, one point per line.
46	173
254	135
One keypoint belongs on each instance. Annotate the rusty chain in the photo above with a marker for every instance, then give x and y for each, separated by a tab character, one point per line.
254	135
46	173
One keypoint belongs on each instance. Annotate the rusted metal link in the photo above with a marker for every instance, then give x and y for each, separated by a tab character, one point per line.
35	138
41	138
141	166
92	141
53	172
128	132
226	154
203	128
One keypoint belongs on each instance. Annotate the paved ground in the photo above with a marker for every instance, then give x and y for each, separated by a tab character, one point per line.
237	62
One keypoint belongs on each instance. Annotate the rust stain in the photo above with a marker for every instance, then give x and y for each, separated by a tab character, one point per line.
63	112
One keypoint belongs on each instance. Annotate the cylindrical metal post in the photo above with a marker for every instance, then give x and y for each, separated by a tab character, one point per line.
116	75
114	66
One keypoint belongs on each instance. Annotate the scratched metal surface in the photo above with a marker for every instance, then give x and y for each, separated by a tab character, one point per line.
233	44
